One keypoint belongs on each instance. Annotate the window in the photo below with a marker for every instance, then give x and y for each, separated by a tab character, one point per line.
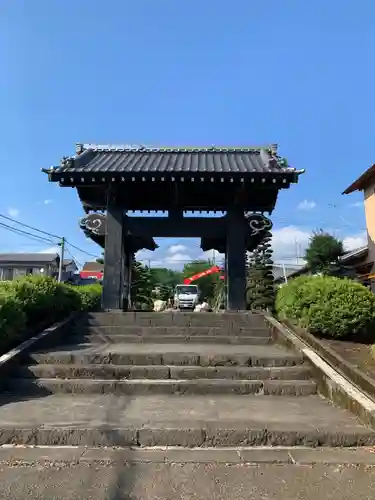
7	274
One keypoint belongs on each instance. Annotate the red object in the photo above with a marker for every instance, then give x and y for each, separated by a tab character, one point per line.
91	274
207	272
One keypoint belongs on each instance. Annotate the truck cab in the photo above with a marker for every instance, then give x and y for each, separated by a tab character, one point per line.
186	297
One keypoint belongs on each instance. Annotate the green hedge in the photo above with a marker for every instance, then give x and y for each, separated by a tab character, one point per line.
29	302
327	305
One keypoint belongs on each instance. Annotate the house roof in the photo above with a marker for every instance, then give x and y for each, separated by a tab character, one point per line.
28	257
93	266
362	181
356	253
140	159
278	270
40	258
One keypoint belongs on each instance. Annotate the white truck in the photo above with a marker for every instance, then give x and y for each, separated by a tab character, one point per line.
186	297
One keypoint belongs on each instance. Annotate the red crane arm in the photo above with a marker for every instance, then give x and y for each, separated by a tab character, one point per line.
207	272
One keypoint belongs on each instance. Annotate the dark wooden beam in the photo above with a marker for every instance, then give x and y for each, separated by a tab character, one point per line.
186	227
235	260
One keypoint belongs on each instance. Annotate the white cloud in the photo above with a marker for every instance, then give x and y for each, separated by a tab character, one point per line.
47	202
13	212
177	249
358	204
355	241
288	243
213	255
306	205
50	250
178	258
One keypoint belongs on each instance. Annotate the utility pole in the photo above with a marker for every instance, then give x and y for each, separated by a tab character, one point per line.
61	263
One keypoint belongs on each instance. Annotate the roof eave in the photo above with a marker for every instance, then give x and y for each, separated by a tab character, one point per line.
76	177
362	181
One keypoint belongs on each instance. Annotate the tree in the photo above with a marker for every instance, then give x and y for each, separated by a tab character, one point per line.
141	286
260	282
322	254
168	277
100	260
205	284
165	292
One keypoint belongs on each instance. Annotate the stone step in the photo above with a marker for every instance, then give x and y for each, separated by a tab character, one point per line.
171	354
248	320
45	386
118	372
167	339
189	421
172	331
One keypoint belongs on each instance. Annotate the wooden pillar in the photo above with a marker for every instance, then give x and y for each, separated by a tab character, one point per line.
128	280
235	260
113	279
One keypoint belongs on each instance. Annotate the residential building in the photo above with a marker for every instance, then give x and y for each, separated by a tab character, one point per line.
92	270
14	265
366	184
354	264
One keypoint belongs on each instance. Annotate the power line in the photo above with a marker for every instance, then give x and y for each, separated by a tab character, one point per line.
42	232
80	250
74	258
30	227
25	233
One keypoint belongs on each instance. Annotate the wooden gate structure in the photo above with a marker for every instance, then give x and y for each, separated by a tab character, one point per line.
114	181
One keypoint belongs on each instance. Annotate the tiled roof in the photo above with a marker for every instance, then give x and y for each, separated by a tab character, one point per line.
112	159
356	253
93	266
28	257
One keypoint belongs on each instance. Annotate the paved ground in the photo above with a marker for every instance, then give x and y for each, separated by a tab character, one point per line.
186	481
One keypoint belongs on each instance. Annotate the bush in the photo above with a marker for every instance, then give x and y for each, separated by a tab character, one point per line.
89	296
36	301
12	316
327	305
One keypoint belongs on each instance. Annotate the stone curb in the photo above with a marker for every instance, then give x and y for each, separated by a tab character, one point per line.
332	384
49	337
360	379
28	455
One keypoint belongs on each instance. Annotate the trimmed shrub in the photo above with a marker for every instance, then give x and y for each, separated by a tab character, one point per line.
43	298
327	305
36	301
12	316
89	296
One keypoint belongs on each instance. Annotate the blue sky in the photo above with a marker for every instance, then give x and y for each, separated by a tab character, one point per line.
243	72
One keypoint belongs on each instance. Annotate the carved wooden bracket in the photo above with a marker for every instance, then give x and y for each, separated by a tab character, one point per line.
258	223
94	223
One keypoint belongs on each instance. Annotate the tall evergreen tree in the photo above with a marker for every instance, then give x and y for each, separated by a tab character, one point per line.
260	283
165	292
141	286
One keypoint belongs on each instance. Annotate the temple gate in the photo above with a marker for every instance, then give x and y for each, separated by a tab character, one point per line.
242	183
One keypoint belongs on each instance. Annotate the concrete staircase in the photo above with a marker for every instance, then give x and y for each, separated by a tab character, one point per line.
177	379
